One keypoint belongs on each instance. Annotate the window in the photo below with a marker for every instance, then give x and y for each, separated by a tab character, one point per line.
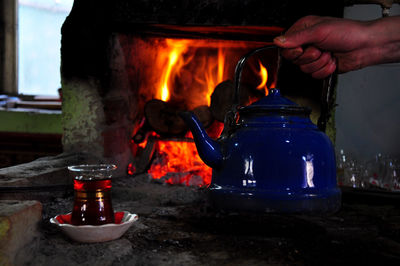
39	43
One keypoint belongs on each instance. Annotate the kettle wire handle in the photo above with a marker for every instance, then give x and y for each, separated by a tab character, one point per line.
327	100
232	115
327	96
239	70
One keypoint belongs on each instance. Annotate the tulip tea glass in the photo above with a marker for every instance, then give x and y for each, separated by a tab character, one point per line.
92	194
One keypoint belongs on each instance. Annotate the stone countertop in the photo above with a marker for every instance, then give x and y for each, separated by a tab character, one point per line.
177	226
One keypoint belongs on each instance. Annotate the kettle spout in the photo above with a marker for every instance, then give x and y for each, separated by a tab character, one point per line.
209	150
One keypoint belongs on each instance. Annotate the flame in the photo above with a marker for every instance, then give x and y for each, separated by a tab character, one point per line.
203	75
263	73
212	78
179	163
221	61
174	64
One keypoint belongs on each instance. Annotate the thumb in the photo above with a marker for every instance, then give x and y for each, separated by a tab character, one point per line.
296	39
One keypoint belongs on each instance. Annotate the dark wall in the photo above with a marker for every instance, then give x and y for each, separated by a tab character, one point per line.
221	12
8	46
86	31
2	43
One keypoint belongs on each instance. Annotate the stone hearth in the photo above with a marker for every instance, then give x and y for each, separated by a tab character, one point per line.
178	226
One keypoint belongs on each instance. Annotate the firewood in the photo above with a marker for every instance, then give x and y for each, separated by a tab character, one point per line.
142	132
203	113
143	159
163	118
222	98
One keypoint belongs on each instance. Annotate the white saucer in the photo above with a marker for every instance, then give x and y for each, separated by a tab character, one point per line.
95	233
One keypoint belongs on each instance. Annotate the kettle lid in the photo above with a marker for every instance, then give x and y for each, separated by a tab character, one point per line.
275	102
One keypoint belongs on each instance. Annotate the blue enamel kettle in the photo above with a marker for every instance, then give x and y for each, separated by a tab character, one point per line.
269	158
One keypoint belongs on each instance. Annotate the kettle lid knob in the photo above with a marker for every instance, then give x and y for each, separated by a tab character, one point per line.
274	92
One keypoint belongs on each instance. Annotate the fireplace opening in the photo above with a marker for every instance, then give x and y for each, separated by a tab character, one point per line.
190	69
111	58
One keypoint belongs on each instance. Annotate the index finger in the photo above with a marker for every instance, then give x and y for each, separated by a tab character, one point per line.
292	53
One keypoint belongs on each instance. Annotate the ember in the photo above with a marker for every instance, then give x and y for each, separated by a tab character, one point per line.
179	163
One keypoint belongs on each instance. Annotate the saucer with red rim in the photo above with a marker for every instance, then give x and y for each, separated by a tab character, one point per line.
95	233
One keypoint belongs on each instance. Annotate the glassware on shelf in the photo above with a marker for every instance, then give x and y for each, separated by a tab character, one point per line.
392	179
353	175
396	178
341	164
382	172
376	170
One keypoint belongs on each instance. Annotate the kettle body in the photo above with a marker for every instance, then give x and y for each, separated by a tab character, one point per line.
269	158
276	163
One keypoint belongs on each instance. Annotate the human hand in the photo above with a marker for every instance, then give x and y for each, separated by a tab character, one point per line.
319	45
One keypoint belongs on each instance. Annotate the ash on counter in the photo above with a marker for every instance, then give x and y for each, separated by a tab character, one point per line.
177	226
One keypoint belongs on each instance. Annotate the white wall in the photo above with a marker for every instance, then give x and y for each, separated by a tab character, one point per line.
368	115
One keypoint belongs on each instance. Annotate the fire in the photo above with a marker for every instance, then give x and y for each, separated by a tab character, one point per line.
181	65
179	163
175	61
187	71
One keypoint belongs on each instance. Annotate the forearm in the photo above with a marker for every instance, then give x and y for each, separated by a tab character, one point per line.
348	44
384	41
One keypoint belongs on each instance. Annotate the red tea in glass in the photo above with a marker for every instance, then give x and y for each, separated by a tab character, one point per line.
92	195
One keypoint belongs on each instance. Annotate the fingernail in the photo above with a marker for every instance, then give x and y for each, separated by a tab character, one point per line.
280	39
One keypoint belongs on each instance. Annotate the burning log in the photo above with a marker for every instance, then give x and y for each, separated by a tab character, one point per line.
222	98
141	134
164	118
203	113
